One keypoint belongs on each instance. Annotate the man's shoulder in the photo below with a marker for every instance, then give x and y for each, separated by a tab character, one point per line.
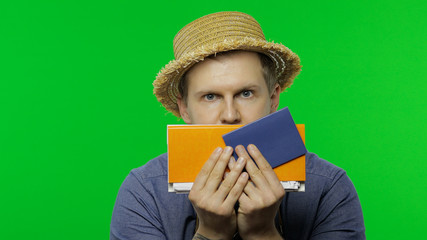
319	210
321	168
155	168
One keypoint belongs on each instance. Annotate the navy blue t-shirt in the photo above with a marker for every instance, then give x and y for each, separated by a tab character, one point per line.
328	209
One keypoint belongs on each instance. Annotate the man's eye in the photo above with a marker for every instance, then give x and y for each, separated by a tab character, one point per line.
209	97
246	93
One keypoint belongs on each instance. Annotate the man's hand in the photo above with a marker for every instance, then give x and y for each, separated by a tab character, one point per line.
214	199
260	199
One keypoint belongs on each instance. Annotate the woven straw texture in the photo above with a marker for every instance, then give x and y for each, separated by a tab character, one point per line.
214	33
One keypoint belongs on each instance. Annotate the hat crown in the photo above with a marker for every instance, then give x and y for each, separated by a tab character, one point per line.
215	28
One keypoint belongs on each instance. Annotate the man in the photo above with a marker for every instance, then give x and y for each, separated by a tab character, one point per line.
226	73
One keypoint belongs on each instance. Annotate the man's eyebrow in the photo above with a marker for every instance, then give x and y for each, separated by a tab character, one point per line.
249	87
214	91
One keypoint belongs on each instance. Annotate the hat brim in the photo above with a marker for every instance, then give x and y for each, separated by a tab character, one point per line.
167	80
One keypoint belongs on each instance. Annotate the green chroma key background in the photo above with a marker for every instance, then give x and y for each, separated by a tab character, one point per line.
77	111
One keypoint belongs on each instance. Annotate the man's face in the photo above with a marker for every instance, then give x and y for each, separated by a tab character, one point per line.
228	89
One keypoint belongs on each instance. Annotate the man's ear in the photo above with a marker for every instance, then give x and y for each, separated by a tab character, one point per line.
275	98
182	105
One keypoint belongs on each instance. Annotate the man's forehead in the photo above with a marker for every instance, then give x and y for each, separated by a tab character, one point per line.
238	70
246	60
236	54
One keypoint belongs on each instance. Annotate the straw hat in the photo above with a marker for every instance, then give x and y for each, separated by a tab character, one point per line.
214	33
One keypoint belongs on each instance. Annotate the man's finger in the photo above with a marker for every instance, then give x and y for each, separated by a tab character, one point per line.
254	173
244	200
237	190
231	179
217	173
251	191
231	162
204	173
263	165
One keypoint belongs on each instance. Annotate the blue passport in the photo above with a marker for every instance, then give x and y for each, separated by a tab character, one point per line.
275	135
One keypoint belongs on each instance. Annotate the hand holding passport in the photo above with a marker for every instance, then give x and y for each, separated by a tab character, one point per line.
277	137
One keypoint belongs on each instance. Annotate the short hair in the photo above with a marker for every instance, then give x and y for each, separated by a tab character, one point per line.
268	72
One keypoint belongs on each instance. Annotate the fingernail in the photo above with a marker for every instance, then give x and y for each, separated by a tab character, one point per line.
251	147
240	161
228	149
231	162
218	150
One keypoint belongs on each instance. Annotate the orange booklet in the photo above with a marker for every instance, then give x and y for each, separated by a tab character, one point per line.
189	146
